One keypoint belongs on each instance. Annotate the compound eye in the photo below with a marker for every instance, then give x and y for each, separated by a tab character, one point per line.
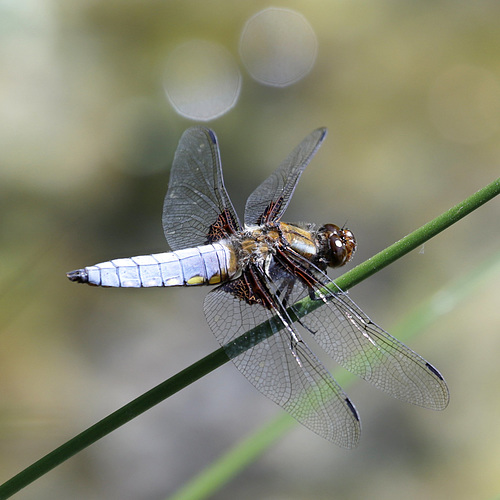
337	251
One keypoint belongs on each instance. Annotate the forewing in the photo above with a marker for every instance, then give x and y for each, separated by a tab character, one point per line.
197	209
307	390
349	336
270	200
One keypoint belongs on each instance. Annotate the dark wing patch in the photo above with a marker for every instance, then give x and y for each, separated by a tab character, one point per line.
242	289
222	227
271	212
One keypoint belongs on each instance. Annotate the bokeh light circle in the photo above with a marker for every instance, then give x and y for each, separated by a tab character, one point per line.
202	81
278	46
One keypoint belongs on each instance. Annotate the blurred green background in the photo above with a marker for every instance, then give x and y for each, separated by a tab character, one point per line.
410	92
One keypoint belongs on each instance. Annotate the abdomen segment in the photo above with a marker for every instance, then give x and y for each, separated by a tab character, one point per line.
203	265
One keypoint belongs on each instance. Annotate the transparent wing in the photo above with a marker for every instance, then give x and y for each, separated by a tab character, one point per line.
270	200
197	209
307	390
349	336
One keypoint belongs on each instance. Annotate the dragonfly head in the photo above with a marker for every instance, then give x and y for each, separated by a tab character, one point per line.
337	245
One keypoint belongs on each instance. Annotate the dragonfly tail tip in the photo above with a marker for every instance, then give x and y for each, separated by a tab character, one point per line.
80	276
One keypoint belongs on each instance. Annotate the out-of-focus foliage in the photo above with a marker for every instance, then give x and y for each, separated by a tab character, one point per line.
410	92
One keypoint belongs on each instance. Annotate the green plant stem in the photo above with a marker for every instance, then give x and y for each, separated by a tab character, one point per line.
219	357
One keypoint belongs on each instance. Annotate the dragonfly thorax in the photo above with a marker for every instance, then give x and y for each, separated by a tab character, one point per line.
255	244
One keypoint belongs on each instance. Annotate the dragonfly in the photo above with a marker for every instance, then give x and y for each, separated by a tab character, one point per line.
263	271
